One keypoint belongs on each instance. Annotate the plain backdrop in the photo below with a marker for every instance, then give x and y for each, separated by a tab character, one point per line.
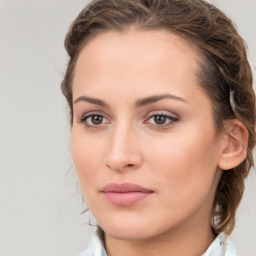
40	202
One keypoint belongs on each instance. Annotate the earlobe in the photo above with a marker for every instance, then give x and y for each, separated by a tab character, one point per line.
235	142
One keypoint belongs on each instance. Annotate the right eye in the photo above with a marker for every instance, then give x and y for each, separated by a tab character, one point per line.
94	120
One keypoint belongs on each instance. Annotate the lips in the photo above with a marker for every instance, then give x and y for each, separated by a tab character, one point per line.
125	194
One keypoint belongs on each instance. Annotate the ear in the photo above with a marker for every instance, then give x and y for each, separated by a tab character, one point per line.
235	143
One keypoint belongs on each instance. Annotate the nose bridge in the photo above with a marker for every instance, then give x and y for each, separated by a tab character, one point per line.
123	150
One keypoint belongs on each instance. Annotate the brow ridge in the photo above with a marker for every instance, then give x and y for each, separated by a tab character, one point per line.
139	103
92	101
155	98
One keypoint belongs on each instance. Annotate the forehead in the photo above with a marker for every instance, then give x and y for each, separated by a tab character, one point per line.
139	57
133	45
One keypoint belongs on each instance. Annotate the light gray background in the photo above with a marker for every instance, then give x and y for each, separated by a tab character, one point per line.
40	203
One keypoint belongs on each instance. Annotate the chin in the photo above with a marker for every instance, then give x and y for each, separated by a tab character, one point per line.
131	230
129	233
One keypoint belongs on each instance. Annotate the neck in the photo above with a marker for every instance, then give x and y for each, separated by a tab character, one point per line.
180	242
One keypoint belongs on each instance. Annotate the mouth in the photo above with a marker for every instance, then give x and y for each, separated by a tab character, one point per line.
125	194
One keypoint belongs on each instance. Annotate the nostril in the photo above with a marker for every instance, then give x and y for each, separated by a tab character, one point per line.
122	160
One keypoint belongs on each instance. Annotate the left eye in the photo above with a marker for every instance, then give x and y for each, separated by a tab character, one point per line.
161	120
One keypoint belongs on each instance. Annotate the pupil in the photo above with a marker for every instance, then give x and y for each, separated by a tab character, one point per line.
159	119
97	120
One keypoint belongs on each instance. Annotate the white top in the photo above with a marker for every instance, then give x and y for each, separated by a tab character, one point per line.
221	246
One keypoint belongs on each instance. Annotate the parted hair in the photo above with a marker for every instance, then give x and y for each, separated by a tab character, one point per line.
225	74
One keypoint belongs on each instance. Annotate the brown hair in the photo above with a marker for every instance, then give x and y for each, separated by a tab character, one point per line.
225	73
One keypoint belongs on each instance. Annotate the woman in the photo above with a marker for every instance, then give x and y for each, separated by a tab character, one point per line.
163	125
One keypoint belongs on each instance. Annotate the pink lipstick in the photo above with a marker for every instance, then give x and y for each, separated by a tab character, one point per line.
125	194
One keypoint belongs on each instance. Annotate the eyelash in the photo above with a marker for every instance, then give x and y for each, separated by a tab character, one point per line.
90	115
165	115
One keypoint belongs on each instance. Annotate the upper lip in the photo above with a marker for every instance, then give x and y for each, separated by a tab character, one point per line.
124	188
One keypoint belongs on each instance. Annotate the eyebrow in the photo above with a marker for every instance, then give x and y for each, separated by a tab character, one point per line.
92	101
139	103
155	98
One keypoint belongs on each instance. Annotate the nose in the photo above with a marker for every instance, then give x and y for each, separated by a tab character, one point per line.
123	151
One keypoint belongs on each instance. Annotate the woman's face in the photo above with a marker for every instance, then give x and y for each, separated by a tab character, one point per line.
143	138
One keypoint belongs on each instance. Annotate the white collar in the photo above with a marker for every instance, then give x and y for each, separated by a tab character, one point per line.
221	246
95	247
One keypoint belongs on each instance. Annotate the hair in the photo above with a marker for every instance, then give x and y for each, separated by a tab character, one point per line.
225	74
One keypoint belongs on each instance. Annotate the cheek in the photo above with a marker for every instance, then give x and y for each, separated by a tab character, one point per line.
185	162
87	157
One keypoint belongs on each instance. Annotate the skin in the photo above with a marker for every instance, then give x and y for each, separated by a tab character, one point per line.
178	160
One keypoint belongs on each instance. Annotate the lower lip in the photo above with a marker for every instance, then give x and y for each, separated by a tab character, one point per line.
127	198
